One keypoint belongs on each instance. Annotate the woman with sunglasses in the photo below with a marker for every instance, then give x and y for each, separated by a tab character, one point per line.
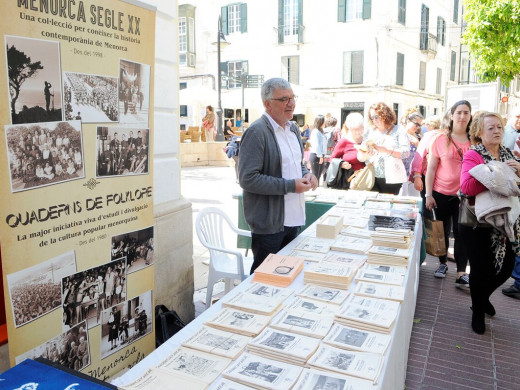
412	123
385	147
443	182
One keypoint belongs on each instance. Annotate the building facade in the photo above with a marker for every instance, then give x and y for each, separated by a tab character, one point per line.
357	52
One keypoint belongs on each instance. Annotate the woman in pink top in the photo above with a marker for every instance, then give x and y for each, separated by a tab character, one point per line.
491	255
443	182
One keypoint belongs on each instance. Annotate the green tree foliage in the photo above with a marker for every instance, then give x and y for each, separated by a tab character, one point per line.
493	38
20	68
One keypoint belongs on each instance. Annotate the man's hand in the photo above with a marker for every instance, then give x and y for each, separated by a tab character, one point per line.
314	181
302	185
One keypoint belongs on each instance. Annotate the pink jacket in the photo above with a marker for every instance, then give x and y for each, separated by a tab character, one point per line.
468	184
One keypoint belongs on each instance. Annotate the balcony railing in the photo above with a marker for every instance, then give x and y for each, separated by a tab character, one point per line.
428	43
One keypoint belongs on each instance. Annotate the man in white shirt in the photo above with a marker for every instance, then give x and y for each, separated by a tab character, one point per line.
272	173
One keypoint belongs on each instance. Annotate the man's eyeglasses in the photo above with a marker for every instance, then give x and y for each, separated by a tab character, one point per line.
417	124
374	117
285	99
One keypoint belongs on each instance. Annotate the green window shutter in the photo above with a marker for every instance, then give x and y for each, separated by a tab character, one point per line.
223	14
243	18
399	74
367	9
342	11
280	21
300	21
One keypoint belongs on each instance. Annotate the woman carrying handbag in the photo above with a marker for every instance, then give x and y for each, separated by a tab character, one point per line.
491	254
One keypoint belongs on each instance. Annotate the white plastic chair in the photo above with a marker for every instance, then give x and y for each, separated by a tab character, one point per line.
224	263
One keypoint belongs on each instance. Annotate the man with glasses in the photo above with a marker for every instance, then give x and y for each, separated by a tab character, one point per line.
271	173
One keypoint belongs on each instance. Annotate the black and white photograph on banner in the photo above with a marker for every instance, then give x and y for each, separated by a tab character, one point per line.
90	98
122	151
44	154
36	291
87	293
126	323
70	349
34	79
136	246
134	93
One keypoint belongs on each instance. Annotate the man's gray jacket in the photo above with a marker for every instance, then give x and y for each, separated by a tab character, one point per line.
260	176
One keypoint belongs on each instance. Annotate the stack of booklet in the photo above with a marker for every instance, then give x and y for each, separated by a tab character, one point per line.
374	276
349	260
261	373
351	244
394	238
312	379
392	269
345	337
238	321
308	305
304	323
390	223
363	365
356	232
278	270
378	204
378	290
388	256
324	294
313	244
329	275
313	257
226	384
259	299
372	314
186	363
156	378
218	342
284	346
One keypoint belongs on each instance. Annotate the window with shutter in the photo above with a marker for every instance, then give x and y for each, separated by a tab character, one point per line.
422	75
353	67
401	12
438	87
453	65
399	73
291	69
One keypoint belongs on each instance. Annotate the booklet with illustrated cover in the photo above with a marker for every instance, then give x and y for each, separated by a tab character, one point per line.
313	244
378	290
369	314
345	337
363	365
379	277
308	305
312	379
226	384
278	270
262	373
349	259
190	363
313	257
284	346
351	244
238	321
156	378
258	298
218	342
308	324
325	294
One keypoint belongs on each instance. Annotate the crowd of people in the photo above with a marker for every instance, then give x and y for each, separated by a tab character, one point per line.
431	157
90	90
122	156
98	288
43	156
31	301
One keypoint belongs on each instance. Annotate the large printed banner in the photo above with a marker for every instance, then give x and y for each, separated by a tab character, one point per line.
76	189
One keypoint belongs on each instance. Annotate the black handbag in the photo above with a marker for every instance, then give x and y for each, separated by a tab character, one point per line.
467	216
167	323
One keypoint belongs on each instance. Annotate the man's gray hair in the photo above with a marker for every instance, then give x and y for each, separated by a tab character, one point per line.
354	119
271	85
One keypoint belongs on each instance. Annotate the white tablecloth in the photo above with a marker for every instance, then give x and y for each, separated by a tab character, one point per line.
393	373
